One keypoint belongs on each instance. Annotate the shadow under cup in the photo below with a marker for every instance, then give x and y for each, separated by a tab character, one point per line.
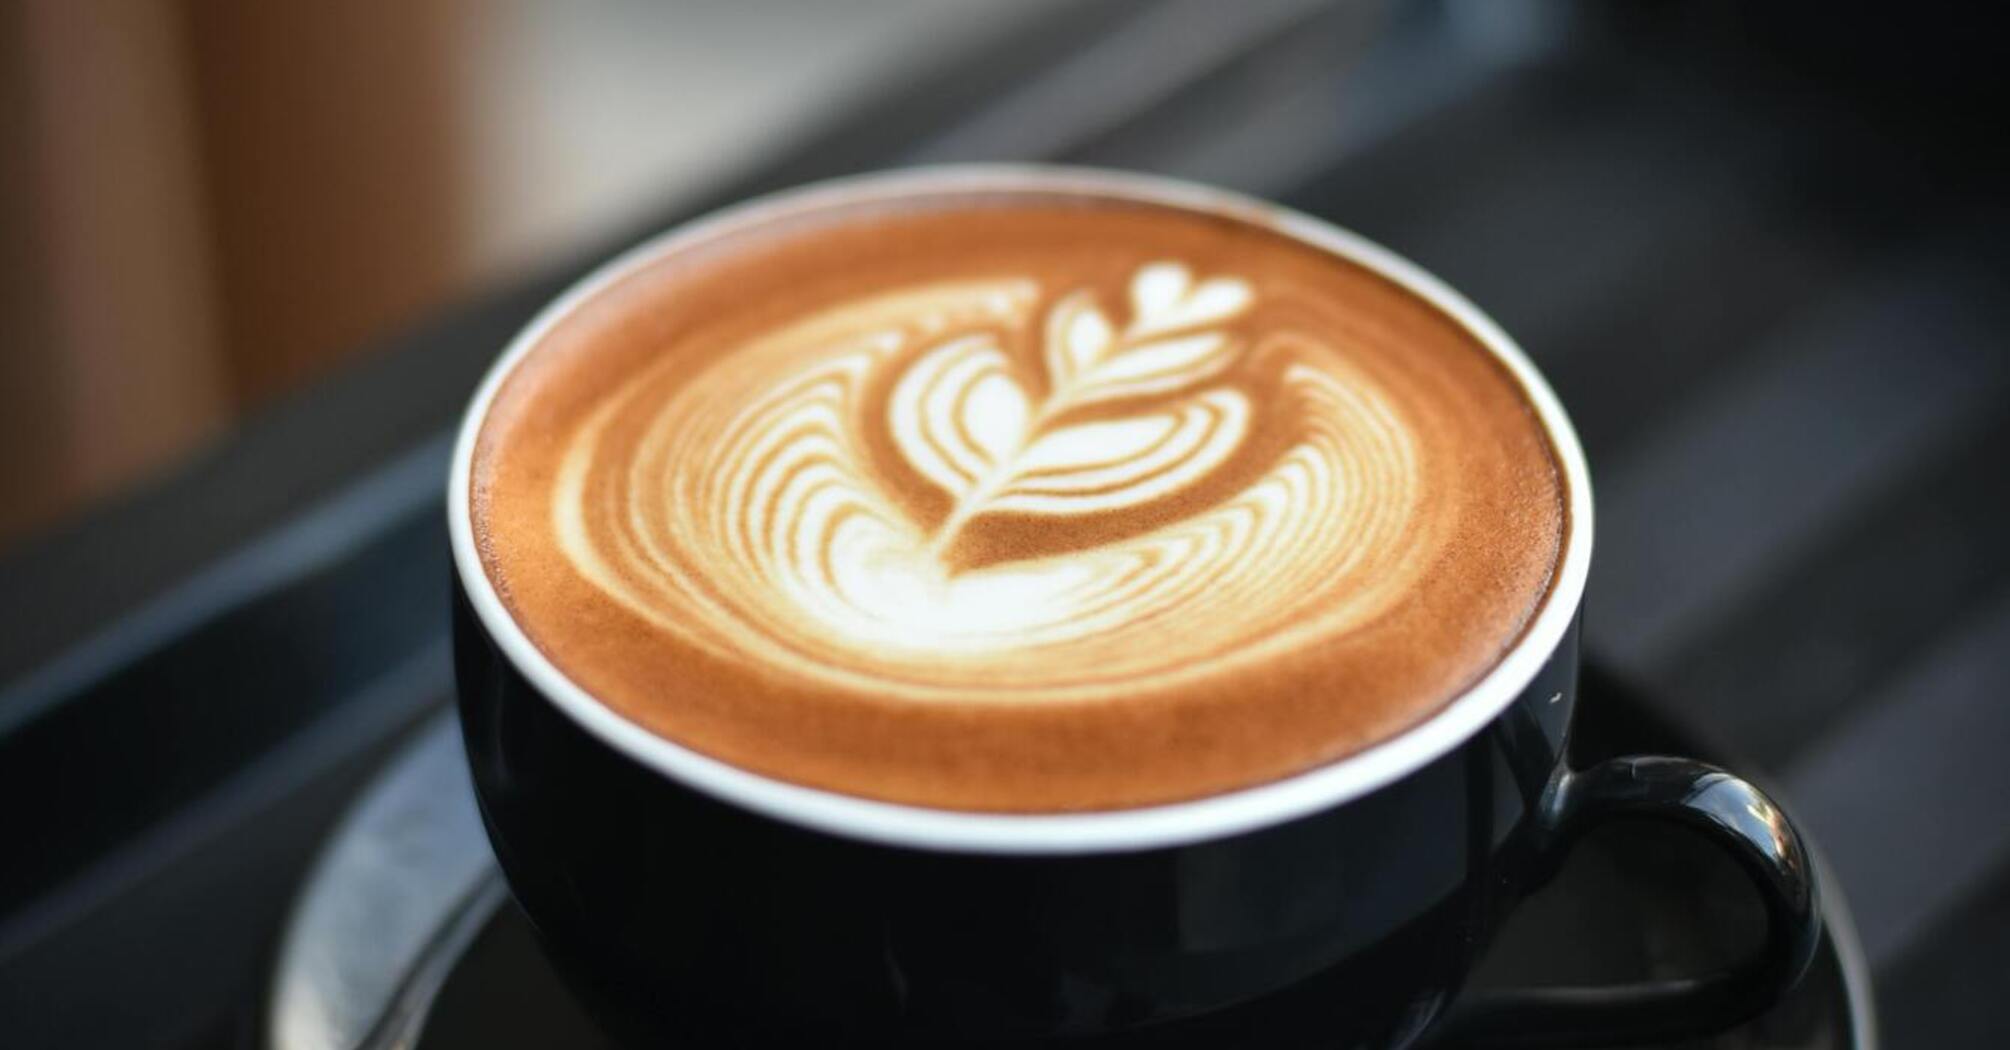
683	898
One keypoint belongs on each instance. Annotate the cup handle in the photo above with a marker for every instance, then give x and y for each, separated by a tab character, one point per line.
1735	816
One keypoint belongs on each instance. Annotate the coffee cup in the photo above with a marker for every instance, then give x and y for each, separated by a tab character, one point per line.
997	603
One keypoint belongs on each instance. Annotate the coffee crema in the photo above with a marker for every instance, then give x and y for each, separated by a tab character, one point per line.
1015	500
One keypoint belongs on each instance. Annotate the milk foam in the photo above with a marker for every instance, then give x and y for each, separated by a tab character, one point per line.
1001	489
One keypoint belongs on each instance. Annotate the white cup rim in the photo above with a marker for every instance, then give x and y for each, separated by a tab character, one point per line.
1157	826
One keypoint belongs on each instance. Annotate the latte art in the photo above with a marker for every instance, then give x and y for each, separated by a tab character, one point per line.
1163	491
1013	498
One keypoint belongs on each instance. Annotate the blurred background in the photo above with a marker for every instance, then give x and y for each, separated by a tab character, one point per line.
254	257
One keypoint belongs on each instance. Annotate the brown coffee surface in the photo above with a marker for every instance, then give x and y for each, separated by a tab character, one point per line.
1016	500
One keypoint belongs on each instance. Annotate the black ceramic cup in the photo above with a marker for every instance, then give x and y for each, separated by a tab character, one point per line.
685	897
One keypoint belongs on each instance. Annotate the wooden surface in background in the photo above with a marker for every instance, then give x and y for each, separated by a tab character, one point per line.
111	356
331	163
206	203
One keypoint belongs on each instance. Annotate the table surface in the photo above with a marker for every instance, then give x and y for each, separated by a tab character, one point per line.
1767	283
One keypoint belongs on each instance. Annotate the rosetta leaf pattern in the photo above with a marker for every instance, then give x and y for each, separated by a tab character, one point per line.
964	420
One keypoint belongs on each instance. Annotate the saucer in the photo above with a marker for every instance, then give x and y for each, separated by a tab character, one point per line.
404	935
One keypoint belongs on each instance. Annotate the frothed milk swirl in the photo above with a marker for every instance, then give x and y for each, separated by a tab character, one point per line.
1015	499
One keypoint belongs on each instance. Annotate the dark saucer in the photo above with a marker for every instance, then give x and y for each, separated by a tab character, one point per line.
445	961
